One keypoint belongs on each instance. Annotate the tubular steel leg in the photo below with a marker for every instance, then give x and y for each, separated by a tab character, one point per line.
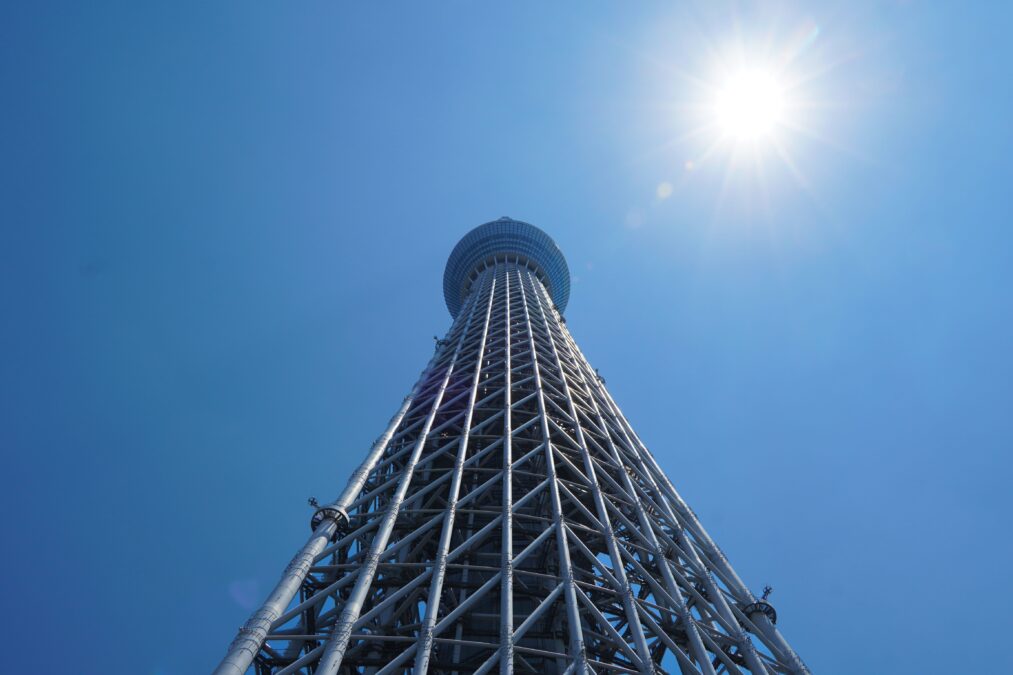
251	636
506	606
334	651
717	597
618	566
646	529
579	656
440	564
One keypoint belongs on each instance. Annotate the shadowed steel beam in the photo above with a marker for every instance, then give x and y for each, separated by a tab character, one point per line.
330	661
473	599
519	632
506	604
703	662
717	597
713	552
577	651
251	636
440	565
643	657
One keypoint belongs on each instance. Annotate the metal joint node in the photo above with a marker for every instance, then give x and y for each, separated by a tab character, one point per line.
763	607
676	630
338	515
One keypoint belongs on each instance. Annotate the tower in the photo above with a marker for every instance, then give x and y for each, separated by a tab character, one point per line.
509	519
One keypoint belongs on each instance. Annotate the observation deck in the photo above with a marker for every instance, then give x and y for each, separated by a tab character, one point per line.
500	240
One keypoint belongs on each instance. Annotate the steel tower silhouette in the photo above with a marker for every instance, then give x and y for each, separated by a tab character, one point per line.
509	519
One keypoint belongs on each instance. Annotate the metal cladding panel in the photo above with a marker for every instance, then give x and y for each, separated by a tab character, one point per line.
505	237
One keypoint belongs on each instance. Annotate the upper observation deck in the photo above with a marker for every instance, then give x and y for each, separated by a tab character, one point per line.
500	239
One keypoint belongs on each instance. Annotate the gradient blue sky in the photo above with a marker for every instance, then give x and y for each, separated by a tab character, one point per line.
223	234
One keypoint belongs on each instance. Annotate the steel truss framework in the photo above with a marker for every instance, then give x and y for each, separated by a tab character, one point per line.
509	519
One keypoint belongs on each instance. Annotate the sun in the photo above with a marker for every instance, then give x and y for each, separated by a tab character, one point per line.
747	110
749	105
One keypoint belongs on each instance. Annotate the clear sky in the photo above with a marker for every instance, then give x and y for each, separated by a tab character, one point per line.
222	237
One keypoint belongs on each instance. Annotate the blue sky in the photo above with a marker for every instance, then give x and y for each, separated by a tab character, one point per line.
223	233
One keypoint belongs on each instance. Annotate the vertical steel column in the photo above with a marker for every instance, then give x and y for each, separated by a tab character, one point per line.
336	645
248	642
618	566
426	636
577	652
716	595
506	604
646	530
717	557
251	636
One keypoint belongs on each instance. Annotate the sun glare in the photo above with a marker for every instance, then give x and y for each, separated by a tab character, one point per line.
745	109
750	105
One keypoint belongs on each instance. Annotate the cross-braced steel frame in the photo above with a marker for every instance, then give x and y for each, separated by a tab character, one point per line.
509	519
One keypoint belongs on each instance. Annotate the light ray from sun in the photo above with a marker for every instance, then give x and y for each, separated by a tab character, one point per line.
749	99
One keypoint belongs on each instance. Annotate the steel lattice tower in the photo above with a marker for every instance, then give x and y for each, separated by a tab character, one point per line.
509	518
